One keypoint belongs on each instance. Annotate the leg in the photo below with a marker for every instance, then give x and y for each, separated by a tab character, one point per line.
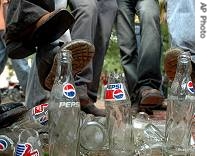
108	10
35	94
22	69
149	54
181	24
127	41
3	54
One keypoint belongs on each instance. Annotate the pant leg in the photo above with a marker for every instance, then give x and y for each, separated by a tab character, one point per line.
86	18
22	70
181	24
149	54
107	14
127	41
94	20
3	54
34	91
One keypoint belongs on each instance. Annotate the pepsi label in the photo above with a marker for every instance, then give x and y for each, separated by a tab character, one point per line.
69	90
5	143
25	150
190	87
69	104
115	92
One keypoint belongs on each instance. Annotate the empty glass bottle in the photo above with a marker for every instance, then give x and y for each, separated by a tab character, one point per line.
180	109
119	119
28	143
64	110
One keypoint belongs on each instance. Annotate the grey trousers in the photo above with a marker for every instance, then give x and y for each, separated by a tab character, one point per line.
94	22
141	66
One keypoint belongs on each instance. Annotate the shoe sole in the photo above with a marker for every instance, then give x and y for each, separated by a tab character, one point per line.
170	62
46	32
82	52
50	29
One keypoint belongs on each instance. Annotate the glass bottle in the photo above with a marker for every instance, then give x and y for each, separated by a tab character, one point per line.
180	109
64	110
28	143
119	119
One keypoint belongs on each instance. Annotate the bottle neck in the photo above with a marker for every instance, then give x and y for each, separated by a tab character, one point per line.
183	66
64	67
180	85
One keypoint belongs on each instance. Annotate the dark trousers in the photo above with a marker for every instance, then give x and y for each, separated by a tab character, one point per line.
141	65
94	21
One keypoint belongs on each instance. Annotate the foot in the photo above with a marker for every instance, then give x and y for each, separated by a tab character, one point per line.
81	51
41	32
150	98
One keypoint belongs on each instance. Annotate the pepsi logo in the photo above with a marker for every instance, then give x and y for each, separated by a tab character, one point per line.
190	87
3	145
39	109
25	150
69	90
118	94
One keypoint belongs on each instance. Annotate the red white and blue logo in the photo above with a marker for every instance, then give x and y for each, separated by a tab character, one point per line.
3	144
115	92
69	90
25	150
190	87
118	94
39	109
40	113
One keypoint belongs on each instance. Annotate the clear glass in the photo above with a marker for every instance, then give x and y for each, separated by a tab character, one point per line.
28	143
64	111
119	120
93	133
180	109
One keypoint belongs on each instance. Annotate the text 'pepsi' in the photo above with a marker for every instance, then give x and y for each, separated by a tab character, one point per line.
69	104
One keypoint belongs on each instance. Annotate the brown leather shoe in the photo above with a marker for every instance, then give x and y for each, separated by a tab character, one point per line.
150	97
46	30
87	105
82	52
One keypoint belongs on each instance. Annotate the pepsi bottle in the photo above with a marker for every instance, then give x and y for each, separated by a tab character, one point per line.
119	121
64	110
180	109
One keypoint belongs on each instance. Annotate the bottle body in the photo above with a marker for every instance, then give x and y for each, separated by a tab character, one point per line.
64	112
180	109
119	121
28	143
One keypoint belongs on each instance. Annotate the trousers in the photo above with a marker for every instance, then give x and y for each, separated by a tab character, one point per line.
20	66
35	92
181	24
94	22
141	65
